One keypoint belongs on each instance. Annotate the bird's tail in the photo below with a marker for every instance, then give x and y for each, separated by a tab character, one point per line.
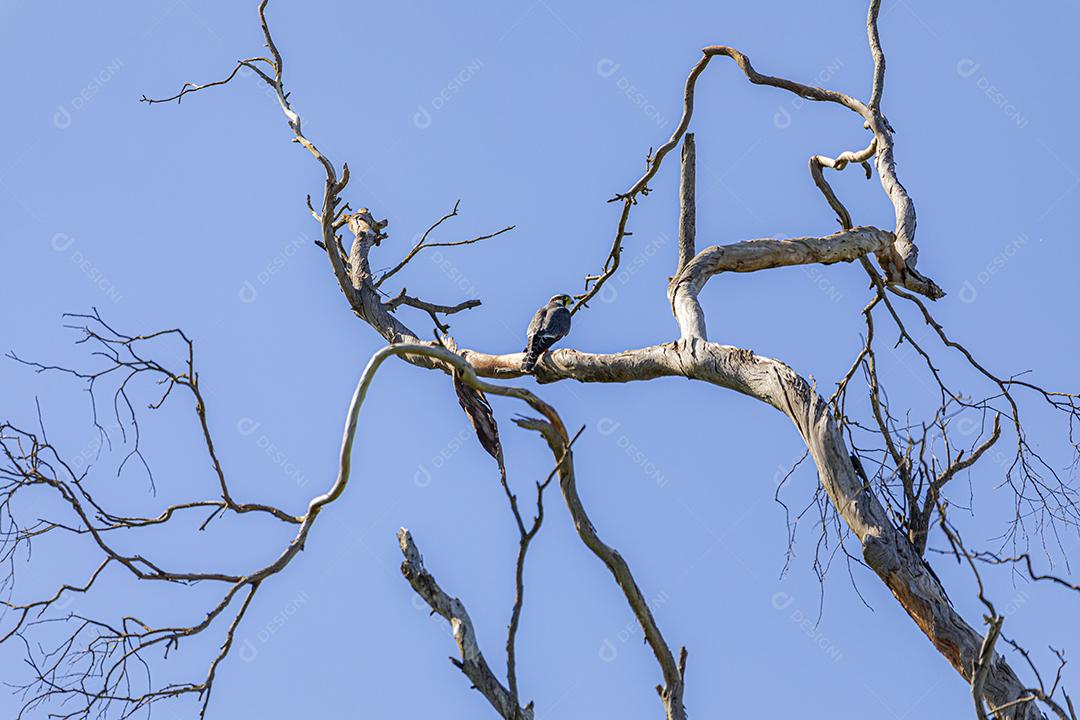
531	356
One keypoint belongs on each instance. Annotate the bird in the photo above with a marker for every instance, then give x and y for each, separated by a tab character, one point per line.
549	324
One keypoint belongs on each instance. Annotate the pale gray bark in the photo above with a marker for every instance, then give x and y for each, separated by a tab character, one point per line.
894	555
471	662
886	550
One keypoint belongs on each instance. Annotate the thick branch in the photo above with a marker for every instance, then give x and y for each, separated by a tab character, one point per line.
885	549
761	254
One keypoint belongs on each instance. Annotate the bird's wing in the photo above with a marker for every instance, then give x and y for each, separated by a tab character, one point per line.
536	322
557	323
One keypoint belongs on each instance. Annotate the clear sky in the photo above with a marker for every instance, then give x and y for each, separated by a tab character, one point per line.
533	114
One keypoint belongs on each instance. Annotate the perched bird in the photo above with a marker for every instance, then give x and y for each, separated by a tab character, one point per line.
549	324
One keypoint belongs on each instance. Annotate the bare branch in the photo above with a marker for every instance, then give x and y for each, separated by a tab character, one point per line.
249	63
423	244
687	204
525	539
472	662
982	665
907	465
672	691
878	55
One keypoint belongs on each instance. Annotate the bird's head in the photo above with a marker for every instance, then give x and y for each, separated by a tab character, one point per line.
562	300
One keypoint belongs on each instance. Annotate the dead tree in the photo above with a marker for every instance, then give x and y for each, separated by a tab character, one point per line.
101	666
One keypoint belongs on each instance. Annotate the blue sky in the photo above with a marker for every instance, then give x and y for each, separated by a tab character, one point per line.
533	114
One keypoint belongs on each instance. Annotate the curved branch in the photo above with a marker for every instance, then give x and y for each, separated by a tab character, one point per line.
761	254
885	549
640	187
672	691
839	163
